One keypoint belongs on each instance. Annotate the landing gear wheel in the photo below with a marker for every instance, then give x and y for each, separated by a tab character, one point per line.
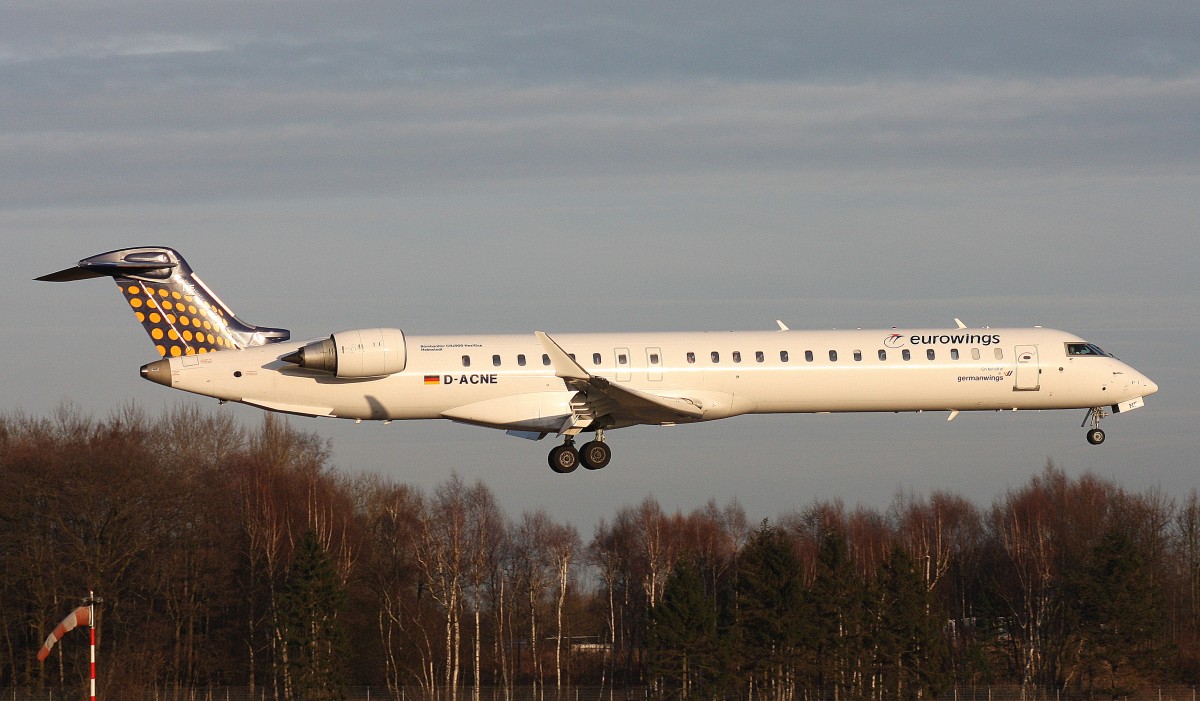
1094	435
595	455
564	459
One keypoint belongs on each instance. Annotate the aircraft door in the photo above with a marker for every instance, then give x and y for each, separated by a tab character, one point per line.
1028	374
654	364
621	356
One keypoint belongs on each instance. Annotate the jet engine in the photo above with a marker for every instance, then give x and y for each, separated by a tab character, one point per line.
357	353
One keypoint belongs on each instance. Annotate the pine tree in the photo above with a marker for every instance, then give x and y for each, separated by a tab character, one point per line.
770	608
834	621
1120	612
311	599
683	635
912	650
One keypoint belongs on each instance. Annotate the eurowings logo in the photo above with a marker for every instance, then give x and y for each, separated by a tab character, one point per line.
894	341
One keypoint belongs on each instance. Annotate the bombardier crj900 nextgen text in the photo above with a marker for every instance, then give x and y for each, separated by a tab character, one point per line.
534	384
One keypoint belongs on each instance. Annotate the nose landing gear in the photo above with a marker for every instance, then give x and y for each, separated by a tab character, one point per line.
1095	436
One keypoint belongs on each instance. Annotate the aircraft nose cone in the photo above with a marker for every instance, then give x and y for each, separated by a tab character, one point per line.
159	372
1150	387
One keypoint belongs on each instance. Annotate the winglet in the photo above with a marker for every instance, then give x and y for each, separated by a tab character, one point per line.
564	365
959	322
782	326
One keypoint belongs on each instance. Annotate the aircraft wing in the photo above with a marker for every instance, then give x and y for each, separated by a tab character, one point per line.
604	397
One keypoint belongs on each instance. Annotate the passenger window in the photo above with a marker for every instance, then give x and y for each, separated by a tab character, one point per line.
954	354
496	360
783	356
691	357
521	359
545	359
906	354
974	354
466	361
858	356
882	354
808	356
654	358
833	356
999	354
930	354
595	358
737	356
622	359
715	357
759	356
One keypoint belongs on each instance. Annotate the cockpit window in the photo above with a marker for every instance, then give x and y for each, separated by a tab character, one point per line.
1085	349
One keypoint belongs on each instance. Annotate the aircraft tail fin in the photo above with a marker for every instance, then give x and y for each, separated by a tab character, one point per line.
178	311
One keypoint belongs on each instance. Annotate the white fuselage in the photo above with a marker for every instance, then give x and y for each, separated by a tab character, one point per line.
509	382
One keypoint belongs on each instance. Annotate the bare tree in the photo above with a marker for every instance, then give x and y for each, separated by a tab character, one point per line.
444	557
272	477
1187	550
564	545
607	554
934	531
485	540
391	516
536	567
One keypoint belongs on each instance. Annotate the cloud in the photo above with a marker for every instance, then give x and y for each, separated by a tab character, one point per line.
219	143
140	45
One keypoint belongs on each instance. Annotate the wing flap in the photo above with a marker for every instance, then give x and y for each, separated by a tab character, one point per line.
626	404
647	407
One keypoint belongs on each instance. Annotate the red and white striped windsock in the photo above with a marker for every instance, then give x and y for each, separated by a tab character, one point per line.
78	617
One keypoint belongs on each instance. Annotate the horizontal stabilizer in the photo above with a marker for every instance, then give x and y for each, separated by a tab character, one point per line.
71	275
151	263
180	314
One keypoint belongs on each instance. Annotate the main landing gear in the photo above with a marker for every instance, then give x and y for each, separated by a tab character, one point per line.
593	455
1095	436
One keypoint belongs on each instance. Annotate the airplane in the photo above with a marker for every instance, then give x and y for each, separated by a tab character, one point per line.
532	385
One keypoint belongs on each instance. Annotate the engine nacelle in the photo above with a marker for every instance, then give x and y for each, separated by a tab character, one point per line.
357	353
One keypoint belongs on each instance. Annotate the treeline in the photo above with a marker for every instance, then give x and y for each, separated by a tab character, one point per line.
234	556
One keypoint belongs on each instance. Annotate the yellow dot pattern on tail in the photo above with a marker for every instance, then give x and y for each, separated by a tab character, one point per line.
178	321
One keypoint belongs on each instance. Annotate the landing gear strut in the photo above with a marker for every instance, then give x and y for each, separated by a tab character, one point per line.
1095	436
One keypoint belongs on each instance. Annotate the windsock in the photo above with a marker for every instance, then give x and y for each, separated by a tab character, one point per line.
78	617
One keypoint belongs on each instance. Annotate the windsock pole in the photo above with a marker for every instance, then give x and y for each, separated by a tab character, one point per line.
91	602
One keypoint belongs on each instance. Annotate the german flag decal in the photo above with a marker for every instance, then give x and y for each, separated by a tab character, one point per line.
433	379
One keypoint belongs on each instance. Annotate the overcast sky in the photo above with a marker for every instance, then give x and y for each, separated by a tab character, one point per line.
462	167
